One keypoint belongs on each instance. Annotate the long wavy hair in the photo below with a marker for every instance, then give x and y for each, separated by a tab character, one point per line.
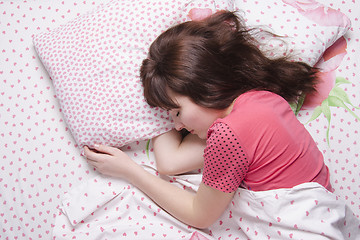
215	60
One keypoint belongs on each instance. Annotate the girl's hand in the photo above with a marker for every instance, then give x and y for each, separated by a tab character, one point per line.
110	161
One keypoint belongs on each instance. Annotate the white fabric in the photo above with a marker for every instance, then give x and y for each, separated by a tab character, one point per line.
309	27
307	211
40	160
94	62
91	196
107	208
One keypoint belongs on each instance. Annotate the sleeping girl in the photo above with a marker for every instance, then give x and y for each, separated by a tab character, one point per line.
234	102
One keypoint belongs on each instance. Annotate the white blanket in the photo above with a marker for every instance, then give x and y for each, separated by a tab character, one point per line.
307	211
105	208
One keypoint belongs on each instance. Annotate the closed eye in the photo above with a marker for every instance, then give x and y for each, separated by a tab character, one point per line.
175	112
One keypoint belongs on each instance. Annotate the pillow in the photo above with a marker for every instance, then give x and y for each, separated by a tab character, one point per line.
94	64
308	27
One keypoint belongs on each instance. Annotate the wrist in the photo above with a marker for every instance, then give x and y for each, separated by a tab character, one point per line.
134	173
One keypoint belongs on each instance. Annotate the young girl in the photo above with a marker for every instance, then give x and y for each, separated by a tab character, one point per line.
221	88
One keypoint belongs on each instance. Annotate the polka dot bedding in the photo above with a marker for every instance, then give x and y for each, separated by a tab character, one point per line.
94	64
44	178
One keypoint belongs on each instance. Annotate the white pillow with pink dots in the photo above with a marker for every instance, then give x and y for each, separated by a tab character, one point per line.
308	27
94	63
94	60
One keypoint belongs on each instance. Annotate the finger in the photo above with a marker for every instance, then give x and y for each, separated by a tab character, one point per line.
87	151
90	161
105	149
92	155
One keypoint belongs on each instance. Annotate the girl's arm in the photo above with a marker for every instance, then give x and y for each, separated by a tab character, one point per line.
199	210
175	154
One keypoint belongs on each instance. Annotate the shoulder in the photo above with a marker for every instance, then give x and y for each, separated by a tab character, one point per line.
257	117
219	129
221	132
223	139
260	100
258	107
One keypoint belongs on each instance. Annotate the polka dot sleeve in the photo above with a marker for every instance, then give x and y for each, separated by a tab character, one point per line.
226	162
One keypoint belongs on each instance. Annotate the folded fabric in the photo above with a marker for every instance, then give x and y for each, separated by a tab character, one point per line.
85	199
90	196
110	208
306	211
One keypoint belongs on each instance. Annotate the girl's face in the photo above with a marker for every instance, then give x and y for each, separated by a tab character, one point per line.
194	118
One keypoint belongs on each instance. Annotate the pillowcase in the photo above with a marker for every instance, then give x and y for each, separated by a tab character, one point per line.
94	64
94	60
308	27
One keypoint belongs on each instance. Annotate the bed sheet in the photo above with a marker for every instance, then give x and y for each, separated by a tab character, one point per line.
40	161
341	147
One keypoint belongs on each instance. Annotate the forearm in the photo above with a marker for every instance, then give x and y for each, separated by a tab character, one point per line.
166	148
175	155
199	210
176	201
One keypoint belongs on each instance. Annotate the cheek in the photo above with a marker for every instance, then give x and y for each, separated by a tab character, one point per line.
188	120
200	121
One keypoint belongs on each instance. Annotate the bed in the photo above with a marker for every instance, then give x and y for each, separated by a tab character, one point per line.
48	191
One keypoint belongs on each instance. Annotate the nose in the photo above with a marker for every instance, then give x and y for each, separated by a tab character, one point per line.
178	125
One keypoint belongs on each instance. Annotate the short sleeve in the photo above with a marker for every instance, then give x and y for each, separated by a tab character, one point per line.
226	162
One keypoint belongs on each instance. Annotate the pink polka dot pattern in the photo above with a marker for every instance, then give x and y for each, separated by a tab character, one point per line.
227	174
94	63
306	37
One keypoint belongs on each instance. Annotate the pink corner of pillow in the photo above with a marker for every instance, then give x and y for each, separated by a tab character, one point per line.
329	62
322	15
197	14
333	56
338	48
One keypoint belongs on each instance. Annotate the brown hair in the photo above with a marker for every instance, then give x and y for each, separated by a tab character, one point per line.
215	60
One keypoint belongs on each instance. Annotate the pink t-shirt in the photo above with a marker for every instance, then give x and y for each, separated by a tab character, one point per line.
262	145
